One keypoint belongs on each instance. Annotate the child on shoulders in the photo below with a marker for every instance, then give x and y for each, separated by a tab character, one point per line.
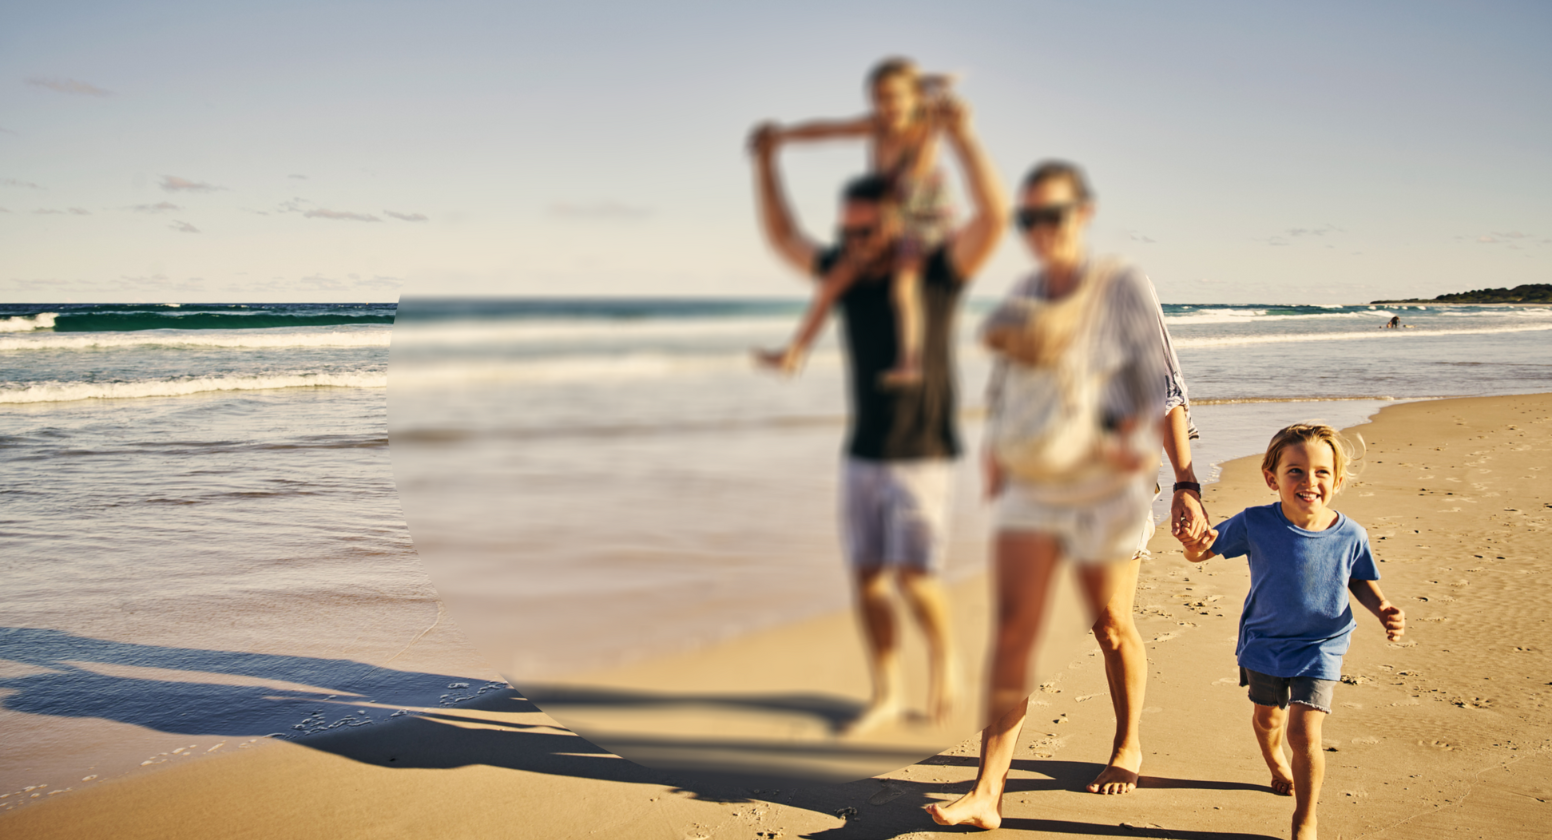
1297	623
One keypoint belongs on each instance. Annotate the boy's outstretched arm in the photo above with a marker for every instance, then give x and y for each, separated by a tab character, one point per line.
1368	593
828	129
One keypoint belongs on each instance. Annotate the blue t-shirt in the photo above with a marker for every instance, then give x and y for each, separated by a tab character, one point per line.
1297	620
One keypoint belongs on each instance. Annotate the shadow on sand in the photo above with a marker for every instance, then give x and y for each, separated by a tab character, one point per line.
226	693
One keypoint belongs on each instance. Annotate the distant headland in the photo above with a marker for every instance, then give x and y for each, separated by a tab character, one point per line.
1529	293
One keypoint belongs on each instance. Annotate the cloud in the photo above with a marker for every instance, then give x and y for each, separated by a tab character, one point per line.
4	130
598	210
1137	237
3	210
159	207
1513	234
298	177
1320	231
72	86
408	217
322	213
73	211
380	283
172	183
322	283
12	182
1277	240
80	211
183	227
1485	239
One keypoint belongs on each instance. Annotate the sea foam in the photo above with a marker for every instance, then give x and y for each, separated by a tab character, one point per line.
44	392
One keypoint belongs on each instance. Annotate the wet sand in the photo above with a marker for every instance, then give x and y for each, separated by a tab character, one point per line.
1444	734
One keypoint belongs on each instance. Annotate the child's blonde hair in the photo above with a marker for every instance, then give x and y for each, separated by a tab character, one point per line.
1308	433
892	67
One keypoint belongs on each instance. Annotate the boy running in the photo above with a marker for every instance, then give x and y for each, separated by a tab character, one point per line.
1297	622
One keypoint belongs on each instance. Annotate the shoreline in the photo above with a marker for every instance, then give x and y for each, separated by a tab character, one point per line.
1418	739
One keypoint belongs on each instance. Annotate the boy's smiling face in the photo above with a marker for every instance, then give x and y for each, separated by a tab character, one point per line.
1306	481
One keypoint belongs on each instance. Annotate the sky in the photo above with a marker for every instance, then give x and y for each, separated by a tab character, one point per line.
356	151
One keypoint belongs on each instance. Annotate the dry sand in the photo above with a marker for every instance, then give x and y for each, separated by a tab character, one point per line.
1445	734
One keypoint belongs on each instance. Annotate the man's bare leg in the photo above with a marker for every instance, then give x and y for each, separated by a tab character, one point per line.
1126	669
882	643
1309	766
1270	724
924	592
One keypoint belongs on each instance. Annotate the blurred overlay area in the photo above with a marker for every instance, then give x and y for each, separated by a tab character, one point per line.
639	530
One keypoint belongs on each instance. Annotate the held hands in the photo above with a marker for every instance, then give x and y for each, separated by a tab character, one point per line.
764	139
1198	548
1394	620
1187	516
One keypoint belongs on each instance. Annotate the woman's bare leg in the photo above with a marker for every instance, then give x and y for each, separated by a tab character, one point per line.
1021	586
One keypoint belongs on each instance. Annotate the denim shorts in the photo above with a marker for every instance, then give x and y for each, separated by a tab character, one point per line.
1280	691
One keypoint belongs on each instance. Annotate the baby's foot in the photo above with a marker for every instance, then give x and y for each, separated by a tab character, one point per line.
901	376
786	362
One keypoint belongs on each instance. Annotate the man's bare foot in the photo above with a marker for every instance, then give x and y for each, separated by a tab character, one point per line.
943	695
1304	831
973	809
876	715
1282	781
1120	775
786	361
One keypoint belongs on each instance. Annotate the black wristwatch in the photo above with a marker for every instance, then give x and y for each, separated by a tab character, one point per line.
1188	485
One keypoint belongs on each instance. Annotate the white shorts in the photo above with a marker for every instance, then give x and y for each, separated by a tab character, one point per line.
1113	528
895	513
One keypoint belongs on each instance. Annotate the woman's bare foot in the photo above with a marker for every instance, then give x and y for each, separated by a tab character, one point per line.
1120	775
1282	781
978	809
786	361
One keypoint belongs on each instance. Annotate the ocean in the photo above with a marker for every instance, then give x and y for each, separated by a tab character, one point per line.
204	535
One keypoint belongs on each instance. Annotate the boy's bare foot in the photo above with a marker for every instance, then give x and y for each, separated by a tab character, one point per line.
976	809
1282	781
1304	831
785	362
1120	775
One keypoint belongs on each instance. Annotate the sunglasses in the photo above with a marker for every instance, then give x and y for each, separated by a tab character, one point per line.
1051	215
858	233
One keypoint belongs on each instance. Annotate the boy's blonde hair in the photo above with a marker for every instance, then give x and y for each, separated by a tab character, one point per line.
1308	433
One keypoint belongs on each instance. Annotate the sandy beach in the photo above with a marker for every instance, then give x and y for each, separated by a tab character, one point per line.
1445	734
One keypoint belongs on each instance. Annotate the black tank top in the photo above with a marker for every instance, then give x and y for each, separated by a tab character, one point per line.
898	424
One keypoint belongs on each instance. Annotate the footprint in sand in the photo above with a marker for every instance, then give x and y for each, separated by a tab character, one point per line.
1226	681
1369	739
887	793
1164	637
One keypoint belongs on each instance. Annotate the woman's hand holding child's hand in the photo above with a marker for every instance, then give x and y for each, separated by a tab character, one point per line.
1199	548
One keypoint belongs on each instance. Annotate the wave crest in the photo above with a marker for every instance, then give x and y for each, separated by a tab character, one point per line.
42	392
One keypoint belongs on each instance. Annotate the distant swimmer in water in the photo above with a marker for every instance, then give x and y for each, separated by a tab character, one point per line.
1393	324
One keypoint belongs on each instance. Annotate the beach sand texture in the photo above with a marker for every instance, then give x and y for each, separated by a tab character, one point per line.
1446	734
